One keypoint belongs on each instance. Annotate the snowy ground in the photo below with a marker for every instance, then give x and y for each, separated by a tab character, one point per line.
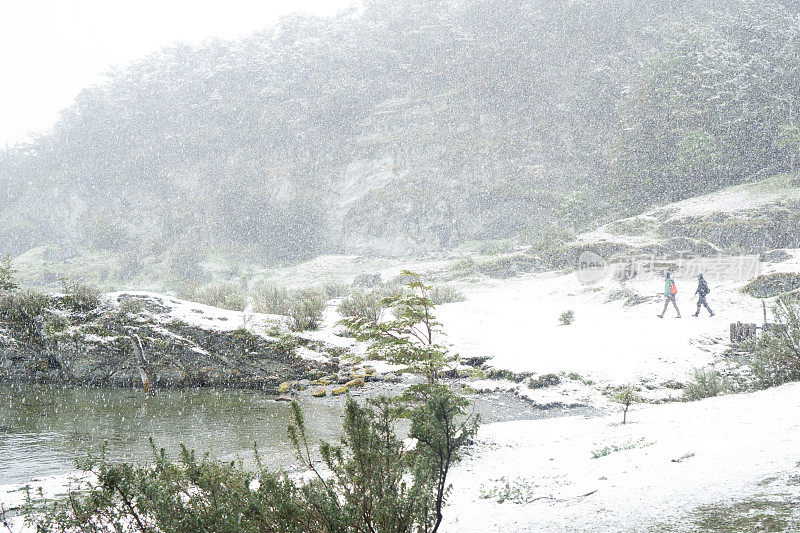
516	323
683	456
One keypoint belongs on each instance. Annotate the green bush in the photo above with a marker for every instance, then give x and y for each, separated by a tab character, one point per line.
305	309
271	299
54	324
24	311
567	318
776	354
544	381
335	290
80	297
131	306
7	272
225	295
373	482
445	294
364	305
706	383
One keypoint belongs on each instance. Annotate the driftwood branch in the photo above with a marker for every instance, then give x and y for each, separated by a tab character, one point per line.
144	369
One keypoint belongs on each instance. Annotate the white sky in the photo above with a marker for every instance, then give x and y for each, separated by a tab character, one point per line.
51	49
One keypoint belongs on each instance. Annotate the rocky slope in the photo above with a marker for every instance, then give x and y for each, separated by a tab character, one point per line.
184	344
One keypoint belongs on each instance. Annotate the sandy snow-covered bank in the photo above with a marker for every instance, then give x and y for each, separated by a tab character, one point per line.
727	448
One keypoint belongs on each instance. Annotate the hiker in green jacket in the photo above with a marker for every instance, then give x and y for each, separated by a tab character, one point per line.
670	290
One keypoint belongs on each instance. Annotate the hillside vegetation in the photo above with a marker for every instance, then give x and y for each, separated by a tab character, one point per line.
409	126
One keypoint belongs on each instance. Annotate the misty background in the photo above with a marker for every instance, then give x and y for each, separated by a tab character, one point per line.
405	127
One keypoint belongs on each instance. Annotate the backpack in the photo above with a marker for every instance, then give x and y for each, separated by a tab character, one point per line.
672	288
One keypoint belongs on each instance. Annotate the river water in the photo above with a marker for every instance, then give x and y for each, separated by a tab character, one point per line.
44	429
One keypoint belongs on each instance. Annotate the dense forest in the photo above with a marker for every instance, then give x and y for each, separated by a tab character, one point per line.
411	126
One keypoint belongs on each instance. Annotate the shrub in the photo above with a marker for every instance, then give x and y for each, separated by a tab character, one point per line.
335	290
367	281
706	384
544	381
776	354
445	294
305	309
567	318
363	305
373	482
608	450
271	299
7	272
80	297
54	324
131	306
225	295
411	338
24	311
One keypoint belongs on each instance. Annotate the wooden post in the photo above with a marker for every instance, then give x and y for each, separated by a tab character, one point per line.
144	369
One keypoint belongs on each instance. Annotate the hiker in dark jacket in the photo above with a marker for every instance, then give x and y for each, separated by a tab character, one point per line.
669	296
702	291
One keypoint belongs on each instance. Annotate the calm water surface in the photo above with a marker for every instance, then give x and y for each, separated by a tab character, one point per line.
43	429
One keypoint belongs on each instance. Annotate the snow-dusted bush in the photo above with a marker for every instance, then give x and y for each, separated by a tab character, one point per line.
369	468
305	309
364	305
776	354
79	296
23	311
270	298
7	272
335	290
224	294
567	318
706	384
445	294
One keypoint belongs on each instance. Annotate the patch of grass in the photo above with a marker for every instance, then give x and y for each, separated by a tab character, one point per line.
608	450
766	514
519	491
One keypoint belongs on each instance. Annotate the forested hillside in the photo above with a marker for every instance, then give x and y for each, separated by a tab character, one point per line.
412	125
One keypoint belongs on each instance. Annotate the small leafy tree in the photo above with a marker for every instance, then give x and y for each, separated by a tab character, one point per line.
410	337
7	272
627	396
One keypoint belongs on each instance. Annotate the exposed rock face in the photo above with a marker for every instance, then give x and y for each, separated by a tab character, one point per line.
94	348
